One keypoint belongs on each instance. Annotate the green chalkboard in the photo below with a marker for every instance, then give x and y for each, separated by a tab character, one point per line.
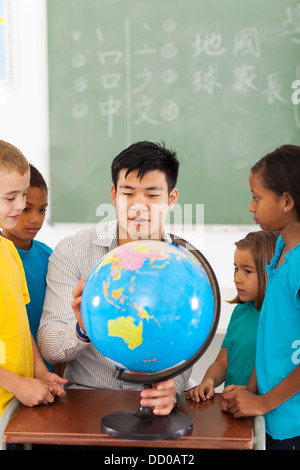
210	78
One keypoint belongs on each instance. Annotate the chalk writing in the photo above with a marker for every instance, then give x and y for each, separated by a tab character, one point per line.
274	89
110	108
212	80
246	41
207	81
143	108
291	25
169	111
245	76
208	43
131	72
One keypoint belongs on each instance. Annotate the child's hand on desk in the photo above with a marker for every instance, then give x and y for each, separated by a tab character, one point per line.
55	384
32	392
162	397
241	403
230	388
203	391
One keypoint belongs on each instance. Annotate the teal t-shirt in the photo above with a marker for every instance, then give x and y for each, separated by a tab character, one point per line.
35	263
278	340
240	342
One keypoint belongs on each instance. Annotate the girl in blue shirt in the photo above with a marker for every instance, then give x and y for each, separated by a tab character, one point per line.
236	359
274	388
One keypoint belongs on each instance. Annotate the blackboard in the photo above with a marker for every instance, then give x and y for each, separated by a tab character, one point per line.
212	79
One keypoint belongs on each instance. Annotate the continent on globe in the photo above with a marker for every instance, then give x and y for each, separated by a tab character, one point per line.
132	258
124	327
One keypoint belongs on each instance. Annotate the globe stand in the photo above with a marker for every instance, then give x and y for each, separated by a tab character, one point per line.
142	424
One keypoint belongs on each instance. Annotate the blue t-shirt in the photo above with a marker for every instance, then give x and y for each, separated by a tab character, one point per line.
240	343
35	263
278	339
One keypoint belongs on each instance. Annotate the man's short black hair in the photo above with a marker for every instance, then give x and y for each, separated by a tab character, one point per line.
147	156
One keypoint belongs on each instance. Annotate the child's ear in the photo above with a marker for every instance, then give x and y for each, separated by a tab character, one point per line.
288	202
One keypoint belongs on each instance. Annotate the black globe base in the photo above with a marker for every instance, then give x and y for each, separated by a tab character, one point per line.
142	424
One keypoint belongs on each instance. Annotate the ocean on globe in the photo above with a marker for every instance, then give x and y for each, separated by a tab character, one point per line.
147	306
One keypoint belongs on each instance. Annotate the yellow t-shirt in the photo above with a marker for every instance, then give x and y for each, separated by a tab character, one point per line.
15	338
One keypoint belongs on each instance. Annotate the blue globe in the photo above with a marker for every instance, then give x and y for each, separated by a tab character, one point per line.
148	306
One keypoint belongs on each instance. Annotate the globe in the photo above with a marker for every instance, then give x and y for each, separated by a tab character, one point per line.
152	308
147	306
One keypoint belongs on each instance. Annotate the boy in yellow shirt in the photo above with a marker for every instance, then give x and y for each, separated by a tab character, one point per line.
23	373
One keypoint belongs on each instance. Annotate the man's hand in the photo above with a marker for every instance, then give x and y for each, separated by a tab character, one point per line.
162	397
76	303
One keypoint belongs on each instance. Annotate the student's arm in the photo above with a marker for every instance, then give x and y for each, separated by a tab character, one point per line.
244	403
214	376
252	384
41	372
40	367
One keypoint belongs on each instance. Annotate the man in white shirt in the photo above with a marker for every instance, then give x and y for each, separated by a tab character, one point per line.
144	189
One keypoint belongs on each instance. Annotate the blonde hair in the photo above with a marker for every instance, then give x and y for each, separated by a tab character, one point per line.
262	247
12	159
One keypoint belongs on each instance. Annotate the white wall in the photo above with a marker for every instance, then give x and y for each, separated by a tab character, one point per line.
24	123
24	104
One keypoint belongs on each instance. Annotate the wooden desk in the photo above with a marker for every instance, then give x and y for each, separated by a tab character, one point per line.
76	420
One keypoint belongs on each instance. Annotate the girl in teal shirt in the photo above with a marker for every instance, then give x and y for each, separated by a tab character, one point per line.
274	388
236	359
